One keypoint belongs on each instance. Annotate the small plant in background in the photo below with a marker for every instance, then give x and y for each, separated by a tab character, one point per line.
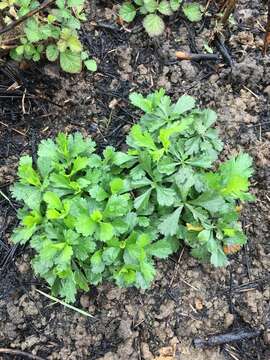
93	217
153	9
52	32
193	11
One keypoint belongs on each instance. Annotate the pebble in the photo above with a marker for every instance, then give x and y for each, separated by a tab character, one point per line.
114	294
10	331
52	71
146	353
85	301
266	91
30	309
165	310
189	71
29	342
124	330
229	319
23	267
198	304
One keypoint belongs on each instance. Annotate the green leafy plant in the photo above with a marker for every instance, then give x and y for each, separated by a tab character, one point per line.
52	32
153	9
93	217
193	11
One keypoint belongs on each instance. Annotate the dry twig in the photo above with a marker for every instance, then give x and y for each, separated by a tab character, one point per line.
220	339
182	55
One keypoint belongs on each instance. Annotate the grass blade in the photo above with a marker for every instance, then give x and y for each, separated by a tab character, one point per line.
80	311
5	197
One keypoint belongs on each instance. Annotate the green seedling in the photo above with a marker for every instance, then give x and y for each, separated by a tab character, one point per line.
52	33
92	218
152	10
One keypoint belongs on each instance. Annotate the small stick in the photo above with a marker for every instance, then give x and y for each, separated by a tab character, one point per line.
101	24
25	17
7	47
223	50
220	339
20	353
229	7
80	311
188	284
177	266
253	93
207	5
8	200
182	55
8	41
17	131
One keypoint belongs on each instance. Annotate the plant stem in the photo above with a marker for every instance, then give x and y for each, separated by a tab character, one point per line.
181	55
220	339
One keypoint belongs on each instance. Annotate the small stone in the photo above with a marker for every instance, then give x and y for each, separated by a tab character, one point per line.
140	316
92	309
10	331
214	78
125	349
109	14
114	294
52	71
85	302
167	352
209	304
131	310
165	310
189	71
29	342
176	77
142	69
229	319
113	103
251	301
266	91
126	128
174	341
124	330
23	267
164	82
146	353
198	304
30	308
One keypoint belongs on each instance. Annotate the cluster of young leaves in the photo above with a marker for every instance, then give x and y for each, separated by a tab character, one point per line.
92	218
54	32
153	9
201	205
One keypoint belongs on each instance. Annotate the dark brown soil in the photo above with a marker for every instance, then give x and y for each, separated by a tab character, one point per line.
187	300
